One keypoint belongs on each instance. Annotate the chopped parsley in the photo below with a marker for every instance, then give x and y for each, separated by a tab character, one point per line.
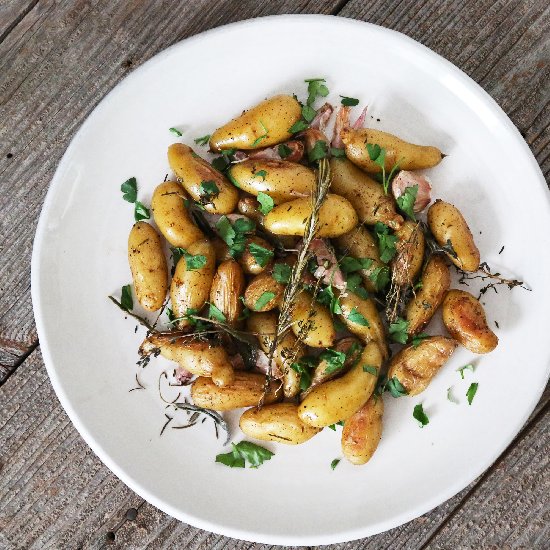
260	254
202	140
260	174
399	331
262	137
370	369
284	150
356	317
141	212
338	152
420	415
129	190
263	300
406	201
266	202
298	126
395	387
243	452
192	262
461	370
386	242
378	155
354	284
216	314
235	235
335	360
329	299
333	426
208	190
319	151
316	87
304	367
126	300
470	394
380	277
308	112
416	340
281	273
349	101
175	131
334	463
349	264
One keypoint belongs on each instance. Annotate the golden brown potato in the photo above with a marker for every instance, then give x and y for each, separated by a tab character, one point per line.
359	243
464	318
408	155
221	249
265	124
226	291
407	263
312	322
171	216
415	367
190	288
336	217
281	180
258	286
250	207
362	432
199	357
277	422
249	263
338	399
194	171
448	226
367	196
436	280
246	390
148	266
362	319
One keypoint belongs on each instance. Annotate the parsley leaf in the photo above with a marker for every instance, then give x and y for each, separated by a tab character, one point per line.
308	113
395	387
420	415
220	164
348	264
192	262
319	151
354	283
378	155
416	340
406	201
126	299
470	394
465	367
334	463
333	426
380	277
141	212
263	300
298	126
284	150
129	190
202	140
335	360
356	317
303	367
261	255
254	454
398	331
338	152
175	131
349	101
266	202
316	87
261	174
235	235
216	314
370	369
373	150
386	242
281	273
262	137
208	190
329	299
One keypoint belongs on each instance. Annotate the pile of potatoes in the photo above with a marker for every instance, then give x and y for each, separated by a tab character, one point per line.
355	202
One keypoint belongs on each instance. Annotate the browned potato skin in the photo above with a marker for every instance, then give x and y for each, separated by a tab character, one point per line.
464	318
246	390
278	422
359	243
366	195
283	180
221	250
264	282
336	217
362	432
415	367
250	207
436	280
227	288
191	289
407	262
199	357
273	117
447	224
408	155
148	266
247	260
193	170
316	330
171	216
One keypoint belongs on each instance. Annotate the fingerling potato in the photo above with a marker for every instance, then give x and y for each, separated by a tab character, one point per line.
250	207
194	172
226	291
415	367
448	226
436	280
263	125
257	255
277	422
148	266
336	217
464	318
362	432
246	390
190	288
311	322
258	286
407	263
171	216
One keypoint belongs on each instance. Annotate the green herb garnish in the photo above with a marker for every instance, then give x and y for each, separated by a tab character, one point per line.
261	255
308	113
370	369
263	300
141	212
420	415
266	202
284	150
335	360
338	152
129	190
329	299
406	201
235	235
298	126
356	317
349	264
354	284
216	314
416	340
303	367
399	331
281	273
244	452
202	140
319	151
175	131
395	387
380	277
208	190
349	101
262	137
334	463
316	87
378	155
126	299
462	369
386	242
260	174
192	262
470	394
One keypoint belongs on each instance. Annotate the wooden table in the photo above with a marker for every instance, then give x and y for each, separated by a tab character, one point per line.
58	59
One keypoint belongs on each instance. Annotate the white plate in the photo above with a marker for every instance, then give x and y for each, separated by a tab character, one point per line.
90	349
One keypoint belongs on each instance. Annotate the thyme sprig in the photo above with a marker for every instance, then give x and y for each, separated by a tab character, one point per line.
141	320
484	273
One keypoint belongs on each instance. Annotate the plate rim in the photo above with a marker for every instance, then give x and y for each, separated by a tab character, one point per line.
134	484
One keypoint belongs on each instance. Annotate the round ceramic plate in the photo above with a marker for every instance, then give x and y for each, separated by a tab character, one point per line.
89	347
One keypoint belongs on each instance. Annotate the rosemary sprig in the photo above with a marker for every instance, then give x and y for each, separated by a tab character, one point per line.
141	320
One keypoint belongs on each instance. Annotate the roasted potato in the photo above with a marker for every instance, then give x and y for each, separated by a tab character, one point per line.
148	266
338	399
200	357
281	180
464	318
436	280
407	155
258	286
171	216
362	432
277	422
246	390
415	367
190	288
367	196
252	264
250	207
311	322
265	124
448	226
226	290
407	262
336	217
221	250
194	172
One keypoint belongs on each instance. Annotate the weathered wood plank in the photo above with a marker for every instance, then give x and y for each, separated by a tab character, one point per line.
11	13
55	66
